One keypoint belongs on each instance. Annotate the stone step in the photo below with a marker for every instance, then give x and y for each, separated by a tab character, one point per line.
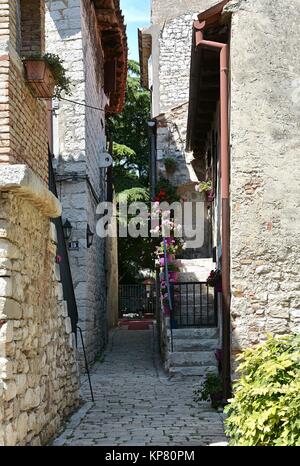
196	270
193	276
189	299
193	371
191	320
192	358
203	263
195	344
195	333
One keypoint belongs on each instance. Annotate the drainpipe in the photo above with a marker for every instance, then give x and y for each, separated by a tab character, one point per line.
225	177
153	167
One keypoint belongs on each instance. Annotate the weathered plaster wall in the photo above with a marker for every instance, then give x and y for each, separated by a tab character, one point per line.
80	139
38	370
265	172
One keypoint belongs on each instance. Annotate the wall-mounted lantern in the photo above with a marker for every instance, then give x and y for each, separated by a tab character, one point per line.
67	228
89	236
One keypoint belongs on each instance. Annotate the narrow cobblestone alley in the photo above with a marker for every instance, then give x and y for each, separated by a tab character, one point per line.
136	403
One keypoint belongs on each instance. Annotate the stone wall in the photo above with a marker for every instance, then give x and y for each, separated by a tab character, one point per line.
38	370
72	32
172	49
265	111
163	10
175	57
95	145
171	143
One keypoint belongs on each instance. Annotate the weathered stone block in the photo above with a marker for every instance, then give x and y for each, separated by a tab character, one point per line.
10	435
10	390
10	309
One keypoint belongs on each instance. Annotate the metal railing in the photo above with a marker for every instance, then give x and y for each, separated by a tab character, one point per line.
138	299
193	305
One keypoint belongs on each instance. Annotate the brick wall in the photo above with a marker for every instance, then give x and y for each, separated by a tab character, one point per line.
32	26
23	118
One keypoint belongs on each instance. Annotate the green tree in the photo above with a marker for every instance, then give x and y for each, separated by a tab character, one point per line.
129	133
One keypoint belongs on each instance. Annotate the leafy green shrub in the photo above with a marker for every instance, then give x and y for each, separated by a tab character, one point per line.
265	410
210	390
63	83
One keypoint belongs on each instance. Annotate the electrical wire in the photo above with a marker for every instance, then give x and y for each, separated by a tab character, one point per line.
83	105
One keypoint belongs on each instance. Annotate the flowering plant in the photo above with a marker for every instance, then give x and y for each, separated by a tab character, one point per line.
204	186
173	246
161	196
214	279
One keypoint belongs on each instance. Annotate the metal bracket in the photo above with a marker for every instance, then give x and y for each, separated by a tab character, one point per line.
106	160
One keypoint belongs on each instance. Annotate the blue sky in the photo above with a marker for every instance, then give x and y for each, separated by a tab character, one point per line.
137	15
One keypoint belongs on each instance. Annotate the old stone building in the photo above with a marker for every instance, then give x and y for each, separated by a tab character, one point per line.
229	74
90	38
38	369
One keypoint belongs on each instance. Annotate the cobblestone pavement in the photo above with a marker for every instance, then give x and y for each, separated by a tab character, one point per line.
136	403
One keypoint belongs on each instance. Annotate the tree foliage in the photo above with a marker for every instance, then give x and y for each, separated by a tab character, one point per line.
129	132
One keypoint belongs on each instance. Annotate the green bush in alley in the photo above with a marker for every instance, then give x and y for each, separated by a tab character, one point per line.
265	410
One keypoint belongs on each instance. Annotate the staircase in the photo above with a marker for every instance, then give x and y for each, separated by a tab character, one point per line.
195	270
193	352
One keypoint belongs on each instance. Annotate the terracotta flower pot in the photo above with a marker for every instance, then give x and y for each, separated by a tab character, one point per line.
40	78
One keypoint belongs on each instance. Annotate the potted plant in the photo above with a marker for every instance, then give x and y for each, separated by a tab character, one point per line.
204	186
207	188
46	75
215	280
210	390
170	164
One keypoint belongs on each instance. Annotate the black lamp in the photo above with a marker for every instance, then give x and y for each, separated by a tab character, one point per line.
67	227
89	236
